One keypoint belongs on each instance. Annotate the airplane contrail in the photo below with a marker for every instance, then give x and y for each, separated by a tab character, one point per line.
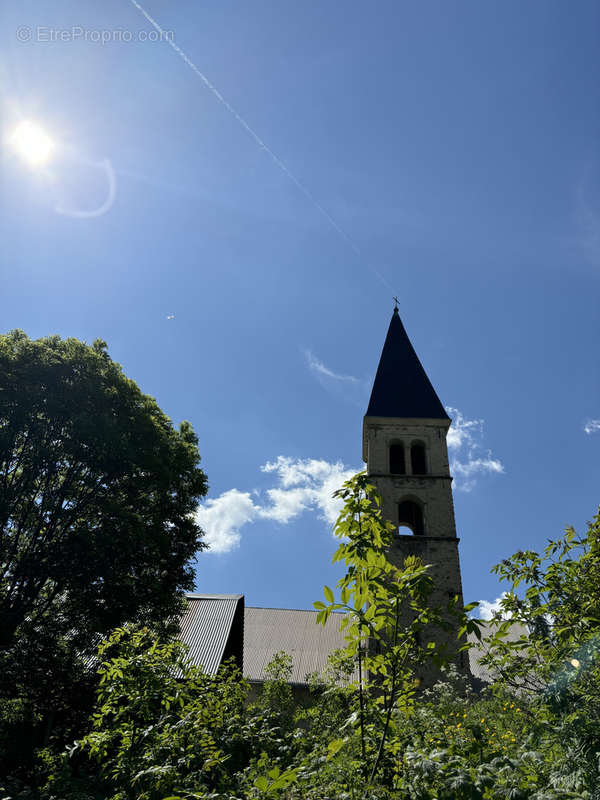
251	132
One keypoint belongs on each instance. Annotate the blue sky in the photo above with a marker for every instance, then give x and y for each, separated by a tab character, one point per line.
444	152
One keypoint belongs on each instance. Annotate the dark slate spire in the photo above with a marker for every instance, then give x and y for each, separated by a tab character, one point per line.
401	387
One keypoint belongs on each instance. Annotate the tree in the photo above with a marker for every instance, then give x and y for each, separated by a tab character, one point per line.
162	728
387	616
97	491
162	725
555	596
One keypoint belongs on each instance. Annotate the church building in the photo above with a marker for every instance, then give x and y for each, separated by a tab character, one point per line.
406	455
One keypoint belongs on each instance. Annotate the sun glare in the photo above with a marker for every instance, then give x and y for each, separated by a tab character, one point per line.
32	143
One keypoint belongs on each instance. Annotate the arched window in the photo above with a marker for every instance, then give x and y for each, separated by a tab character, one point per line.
418	461
397	462
410	516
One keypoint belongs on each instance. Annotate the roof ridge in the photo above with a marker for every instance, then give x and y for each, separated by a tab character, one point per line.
276	608
201	596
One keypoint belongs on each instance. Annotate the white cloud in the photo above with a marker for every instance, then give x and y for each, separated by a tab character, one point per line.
321	371
345	388
488	610
285	504
222	518
309	483
462	431
475	466
300	485
469	459
592	426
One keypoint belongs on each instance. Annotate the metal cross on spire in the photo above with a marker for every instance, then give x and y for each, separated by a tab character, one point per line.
396	304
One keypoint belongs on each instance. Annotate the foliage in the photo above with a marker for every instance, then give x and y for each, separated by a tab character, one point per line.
96	490
163	730
388	620
96	494
276	696
161	726
555	663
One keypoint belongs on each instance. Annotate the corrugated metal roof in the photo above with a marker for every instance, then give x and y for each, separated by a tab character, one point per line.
479	670
205	627
269	630
207	624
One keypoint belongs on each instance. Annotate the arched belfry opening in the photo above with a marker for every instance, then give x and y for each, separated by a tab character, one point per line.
418	459
410	518
397	459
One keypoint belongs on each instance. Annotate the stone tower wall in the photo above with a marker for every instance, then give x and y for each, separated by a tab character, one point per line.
432	492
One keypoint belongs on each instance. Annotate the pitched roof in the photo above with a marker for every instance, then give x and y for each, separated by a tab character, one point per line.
401	387
269	630
212	628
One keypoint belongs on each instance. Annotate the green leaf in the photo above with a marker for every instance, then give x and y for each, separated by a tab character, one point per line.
334	747
328	594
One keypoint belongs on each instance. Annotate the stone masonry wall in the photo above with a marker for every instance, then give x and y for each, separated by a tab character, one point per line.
433	493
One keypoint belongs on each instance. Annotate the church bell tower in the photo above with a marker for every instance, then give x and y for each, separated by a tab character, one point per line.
404	447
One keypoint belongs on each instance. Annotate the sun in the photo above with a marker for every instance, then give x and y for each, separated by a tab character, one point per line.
32	143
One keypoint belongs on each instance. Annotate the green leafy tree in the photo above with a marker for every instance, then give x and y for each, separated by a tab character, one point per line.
276	701
97	491
387	616
555	662
161	725
461	744
162	728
